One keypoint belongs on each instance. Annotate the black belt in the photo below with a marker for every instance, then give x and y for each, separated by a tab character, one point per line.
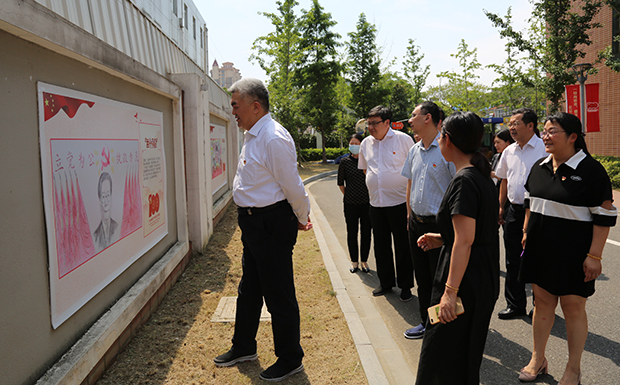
424	219
244	211
517	206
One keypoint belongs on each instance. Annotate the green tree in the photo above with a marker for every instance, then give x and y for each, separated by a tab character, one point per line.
607	55
565	33
345	116
465	94
510	75
414	72
317	72
363	68
277	54
399	98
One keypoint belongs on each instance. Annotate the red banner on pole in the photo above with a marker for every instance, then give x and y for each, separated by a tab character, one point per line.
592	108
573	100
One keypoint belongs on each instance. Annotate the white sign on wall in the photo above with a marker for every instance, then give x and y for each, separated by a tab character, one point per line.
104	187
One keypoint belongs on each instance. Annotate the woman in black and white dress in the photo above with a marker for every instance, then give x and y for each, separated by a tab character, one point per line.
568	215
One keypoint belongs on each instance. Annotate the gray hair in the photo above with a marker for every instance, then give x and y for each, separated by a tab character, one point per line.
253	88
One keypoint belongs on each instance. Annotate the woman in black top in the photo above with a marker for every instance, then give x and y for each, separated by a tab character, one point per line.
469	260
352	183
568	215
502	140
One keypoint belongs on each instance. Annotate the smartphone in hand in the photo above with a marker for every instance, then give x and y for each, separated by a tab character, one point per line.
433	311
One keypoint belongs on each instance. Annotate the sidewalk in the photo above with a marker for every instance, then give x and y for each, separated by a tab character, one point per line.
375	345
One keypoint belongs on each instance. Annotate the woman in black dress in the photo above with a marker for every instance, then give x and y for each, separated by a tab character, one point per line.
568	214
352	183
469	260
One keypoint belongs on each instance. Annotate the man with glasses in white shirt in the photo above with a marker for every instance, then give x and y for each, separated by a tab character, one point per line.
513	168
382	156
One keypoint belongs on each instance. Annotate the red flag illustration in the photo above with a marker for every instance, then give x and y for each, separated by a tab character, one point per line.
132	215
59	218
54	103
87	248
74	243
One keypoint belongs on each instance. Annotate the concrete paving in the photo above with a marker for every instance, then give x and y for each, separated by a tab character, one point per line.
377	323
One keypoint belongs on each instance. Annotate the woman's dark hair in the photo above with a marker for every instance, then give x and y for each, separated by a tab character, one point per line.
571	125
357	136
505	136
465	130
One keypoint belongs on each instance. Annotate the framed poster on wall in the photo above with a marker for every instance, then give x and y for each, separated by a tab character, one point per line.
219	158
104	191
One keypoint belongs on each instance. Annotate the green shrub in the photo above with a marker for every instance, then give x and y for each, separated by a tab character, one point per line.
332	140
612	165
316	154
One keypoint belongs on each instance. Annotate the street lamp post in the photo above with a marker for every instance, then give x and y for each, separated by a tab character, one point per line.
581	71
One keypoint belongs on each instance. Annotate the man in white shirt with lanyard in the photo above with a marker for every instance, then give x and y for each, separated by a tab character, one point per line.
273	206
514	168
382	156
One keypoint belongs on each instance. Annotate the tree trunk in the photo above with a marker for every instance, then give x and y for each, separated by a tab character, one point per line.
323	145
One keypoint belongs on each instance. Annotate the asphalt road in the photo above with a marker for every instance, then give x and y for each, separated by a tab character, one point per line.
509	342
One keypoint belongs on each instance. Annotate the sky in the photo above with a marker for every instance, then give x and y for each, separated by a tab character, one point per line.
437	27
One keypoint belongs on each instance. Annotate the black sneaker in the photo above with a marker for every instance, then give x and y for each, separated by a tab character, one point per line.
231	357
381	291
405	295
280	371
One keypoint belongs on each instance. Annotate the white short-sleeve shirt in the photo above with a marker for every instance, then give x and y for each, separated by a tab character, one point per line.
383	161
515	165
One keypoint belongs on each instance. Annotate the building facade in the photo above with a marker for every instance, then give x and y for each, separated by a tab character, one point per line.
226	75
607	141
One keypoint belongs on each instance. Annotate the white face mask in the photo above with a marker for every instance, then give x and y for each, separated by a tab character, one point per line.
354	148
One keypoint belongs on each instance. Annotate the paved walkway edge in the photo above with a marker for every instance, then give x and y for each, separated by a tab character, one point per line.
368	353
368	356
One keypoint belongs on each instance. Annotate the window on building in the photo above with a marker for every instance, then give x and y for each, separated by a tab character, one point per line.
194	26
175	5
615	33
185	15
201	38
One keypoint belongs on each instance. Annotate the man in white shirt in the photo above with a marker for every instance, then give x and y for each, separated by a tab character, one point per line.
514	168
273	206
382	156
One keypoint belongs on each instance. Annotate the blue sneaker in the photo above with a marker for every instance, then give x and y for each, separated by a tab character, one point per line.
416	332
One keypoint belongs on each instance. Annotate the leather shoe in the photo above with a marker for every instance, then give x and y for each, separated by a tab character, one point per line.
510	313
381	291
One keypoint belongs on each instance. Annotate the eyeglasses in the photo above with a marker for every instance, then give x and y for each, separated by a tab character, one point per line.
371	124
514	124
551	132
413	114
